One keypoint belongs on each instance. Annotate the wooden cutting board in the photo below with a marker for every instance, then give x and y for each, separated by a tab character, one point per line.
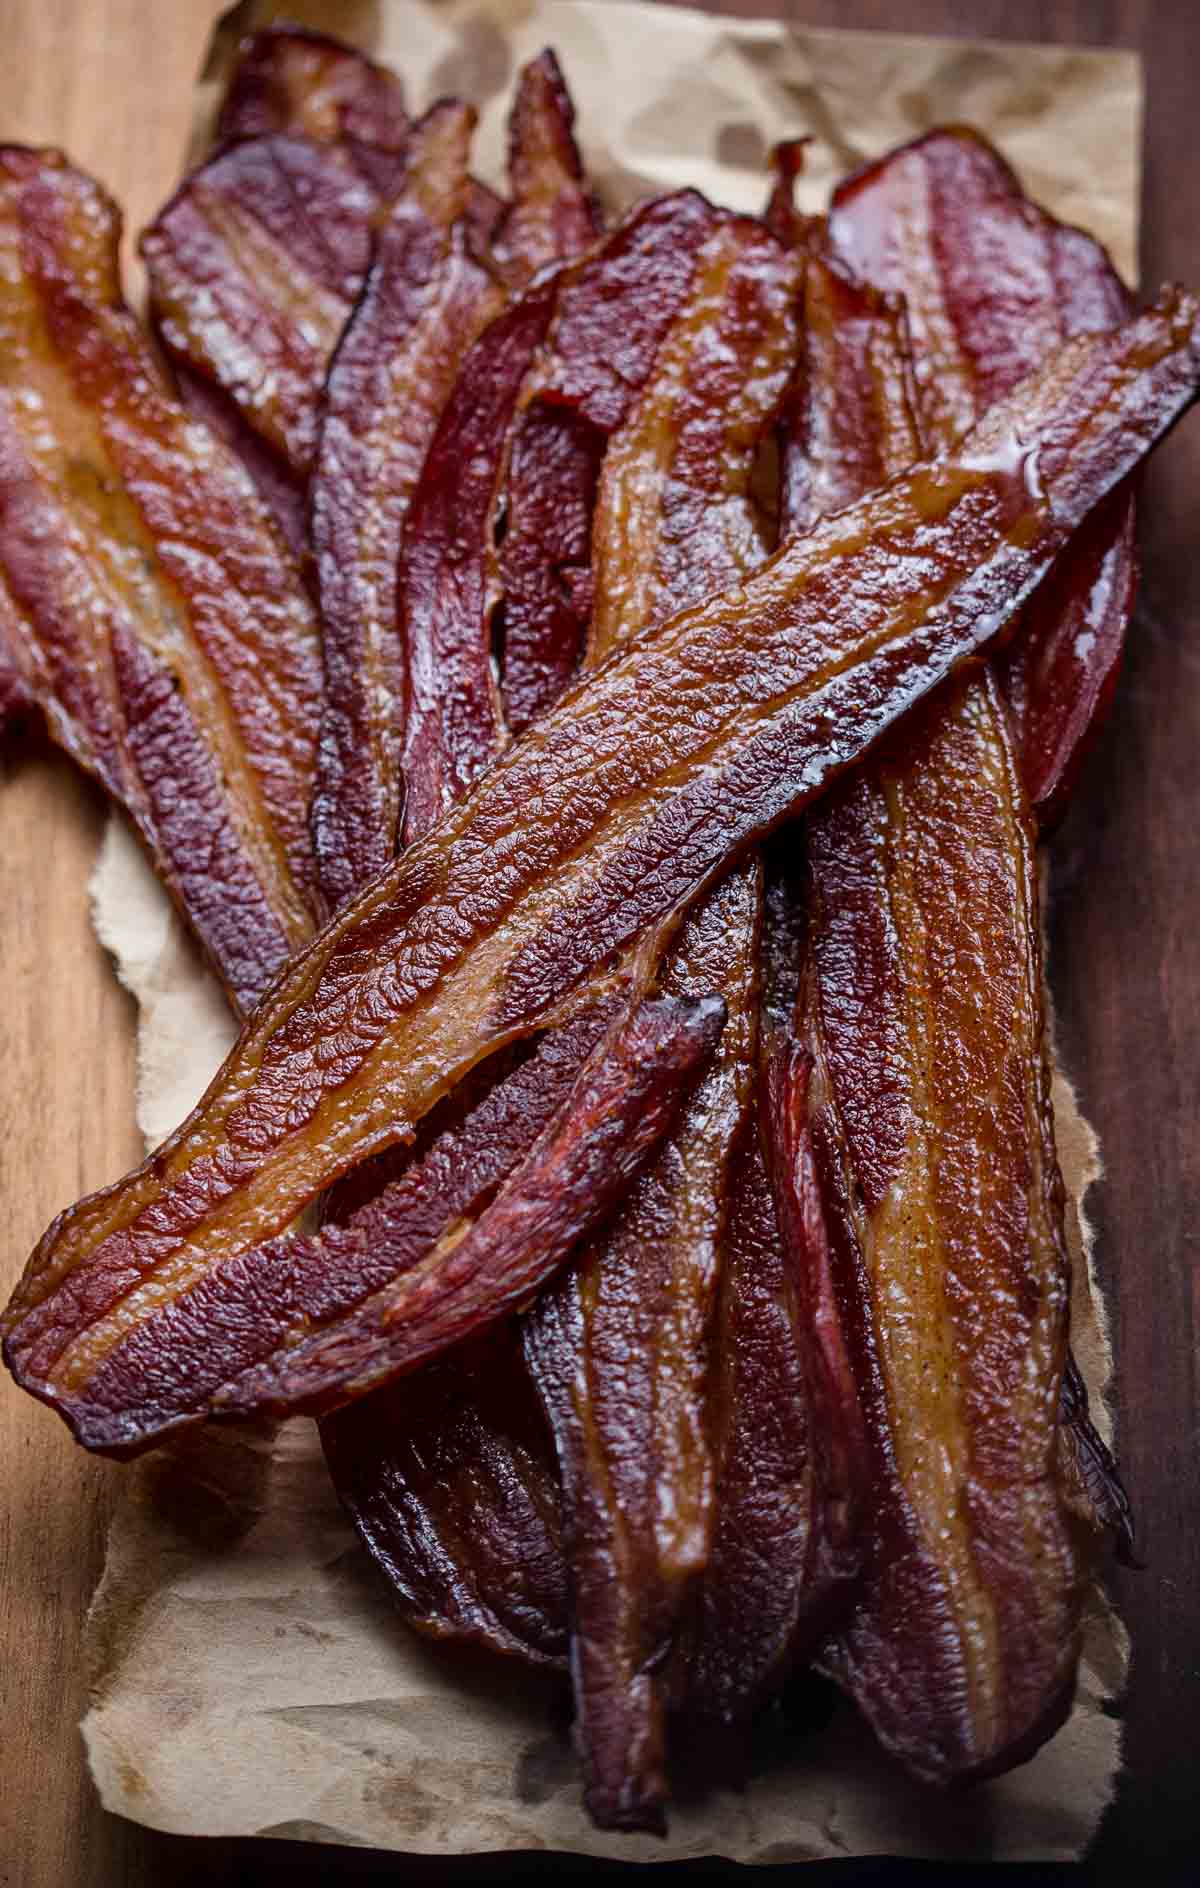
110	80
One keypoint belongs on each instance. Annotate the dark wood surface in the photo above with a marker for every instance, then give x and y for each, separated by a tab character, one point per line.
1125	967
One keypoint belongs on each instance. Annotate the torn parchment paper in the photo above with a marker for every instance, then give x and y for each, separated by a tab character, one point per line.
249	1675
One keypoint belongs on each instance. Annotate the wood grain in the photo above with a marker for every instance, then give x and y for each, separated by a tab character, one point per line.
110	80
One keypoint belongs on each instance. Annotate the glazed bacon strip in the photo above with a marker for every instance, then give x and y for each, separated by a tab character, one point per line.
575	853
447	606
922	1118
464	1234
992	285
553	215
992	279
408	664
425	300
254	266
619	1346
438	1557
300	84
915	1163
786	1542
305	84
149	603
451	1484
257	261
613	312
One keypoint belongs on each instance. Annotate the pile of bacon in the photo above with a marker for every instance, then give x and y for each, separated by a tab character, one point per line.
593	688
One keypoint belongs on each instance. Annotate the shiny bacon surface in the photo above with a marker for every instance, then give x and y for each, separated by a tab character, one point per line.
929	1131
991	284
409	714
619	1347
290	79
916	1112
553	215
461	1237
612	312
425	299
646	782
449	1476
991	280
254	266
151	606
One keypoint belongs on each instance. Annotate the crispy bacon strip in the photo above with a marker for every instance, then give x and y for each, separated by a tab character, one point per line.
450	1480
150	605
619	1347
923	1109
614	309
993	284
425	300
753	1608
991	280
578	849
553	215
293	80
254	266
913	1129
410	688
257	260
447	603
454	1244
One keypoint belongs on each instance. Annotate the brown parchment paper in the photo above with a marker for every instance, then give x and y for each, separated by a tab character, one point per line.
248	1674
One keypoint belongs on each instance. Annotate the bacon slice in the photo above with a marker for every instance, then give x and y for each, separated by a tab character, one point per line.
409	669
992	284
254	266
554	215
992	279
149	603
928	1127
425	300
453	1245
614	309
450	1480
619	1347
913	1124
448	601
578	849
258	259
303	83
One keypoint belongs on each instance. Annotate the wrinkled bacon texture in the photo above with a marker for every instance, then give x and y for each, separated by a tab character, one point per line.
151	606
447	731
410	709
913	1120
305	84
574	854
991	281
620	1346
613	310
254	266
425	300
553	215
460	1239
992	285
755	1608
450	1479
930	1135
